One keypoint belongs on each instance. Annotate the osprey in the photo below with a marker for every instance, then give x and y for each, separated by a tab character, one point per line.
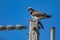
38	15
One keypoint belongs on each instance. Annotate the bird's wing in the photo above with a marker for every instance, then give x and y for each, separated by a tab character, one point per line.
36	14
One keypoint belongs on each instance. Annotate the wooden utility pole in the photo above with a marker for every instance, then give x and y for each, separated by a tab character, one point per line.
33	31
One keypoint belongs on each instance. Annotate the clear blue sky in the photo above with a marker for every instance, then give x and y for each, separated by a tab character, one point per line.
15	12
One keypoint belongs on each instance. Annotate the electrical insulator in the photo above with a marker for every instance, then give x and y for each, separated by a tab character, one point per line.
20	27
11	27
3	27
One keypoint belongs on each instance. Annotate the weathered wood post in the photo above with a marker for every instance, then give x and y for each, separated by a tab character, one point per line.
33	31
52	33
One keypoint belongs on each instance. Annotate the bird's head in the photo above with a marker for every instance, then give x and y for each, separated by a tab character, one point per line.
30	9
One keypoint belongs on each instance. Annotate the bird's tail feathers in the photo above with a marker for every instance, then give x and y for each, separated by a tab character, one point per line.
48	16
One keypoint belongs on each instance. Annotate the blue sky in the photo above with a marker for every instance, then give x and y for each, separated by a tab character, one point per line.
15	12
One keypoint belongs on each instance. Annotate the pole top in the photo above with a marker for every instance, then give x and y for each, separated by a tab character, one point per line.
52	28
